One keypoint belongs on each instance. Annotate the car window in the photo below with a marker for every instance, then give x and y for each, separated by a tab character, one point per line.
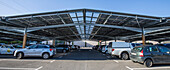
32	46
133	45
110	44
3	47
163	49
153	49
52	46
9	47
147	49
42	46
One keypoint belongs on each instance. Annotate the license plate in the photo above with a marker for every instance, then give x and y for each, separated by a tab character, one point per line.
133	53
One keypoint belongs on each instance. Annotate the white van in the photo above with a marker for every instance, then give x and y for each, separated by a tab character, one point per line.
121	49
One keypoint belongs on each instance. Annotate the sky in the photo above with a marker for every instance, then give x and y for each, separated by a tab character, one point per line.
158	8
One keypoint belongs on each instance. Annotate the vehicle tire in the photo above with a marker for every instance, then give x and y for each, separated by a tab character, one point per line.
64	51
148	63
45	56
124	56
19	55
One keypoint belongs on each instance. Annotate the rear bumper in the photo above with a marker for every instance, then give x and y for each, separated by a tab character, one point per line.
137	59
113	54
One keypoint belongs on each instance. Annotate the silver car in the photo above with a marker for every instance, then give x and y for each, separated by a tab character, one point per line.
44	51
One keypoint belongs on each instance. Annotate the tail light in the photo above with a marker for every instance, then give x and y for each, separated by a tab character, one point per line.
141	54
51	49
113	49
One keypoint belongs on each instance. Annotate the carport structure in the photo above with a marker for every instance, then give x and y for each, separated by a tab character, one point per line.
85	24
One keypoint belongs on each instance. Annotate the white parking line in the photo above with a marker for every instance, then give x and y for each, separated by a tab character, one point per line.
147	68
128	68
39	68
17	68
116	61
52	61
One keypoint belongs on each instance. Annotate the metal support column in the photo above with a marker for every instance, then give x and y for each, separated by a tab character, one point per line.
105	43
25	38
143	36
72	42
54	43
46	42
115	39
85	44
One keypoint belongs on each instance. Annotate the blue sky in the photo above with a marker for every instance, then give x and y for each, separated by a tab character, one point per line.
144	7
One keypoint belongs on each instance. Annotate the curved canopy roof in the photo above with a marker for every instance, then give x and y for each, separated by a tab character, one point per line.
85	24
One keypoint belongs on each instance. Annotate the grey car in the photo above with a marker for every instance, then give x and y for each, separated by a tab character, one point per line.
149	55
44	51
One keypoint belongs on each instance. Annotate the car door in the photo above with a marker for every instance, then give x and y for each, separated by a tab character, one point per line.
3	50
9	50
155	54
30	51
40	49
166	54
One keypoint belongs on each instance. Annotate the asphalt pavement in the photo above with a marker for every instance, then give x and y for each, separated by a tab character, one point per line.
83	59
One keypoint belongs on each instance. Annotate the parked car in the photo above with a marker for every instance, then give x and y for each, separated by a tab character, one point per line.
105	49
165	45
63	48
100	47
38	50
150	55
77	47
121	49
7	49
95	47
148	44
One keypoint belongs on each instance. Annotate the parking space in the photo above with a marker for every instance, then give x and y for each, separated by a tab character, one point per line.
83	59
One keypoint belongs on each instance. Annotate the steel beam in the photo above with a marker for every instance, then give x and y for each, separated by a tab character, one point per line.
47	27
103	24
120	27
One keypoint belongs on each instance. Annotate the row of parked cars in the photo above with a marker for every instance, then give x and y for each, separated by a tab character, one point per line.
148	54
37	50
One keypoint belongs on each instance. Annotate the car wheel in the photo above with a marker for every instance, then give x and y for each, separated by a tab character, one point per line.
19	55
45	56
64	51
124	56
148	63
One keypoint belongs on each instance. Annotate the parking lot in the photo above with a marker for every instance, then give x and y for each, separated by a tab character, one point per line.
83	59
